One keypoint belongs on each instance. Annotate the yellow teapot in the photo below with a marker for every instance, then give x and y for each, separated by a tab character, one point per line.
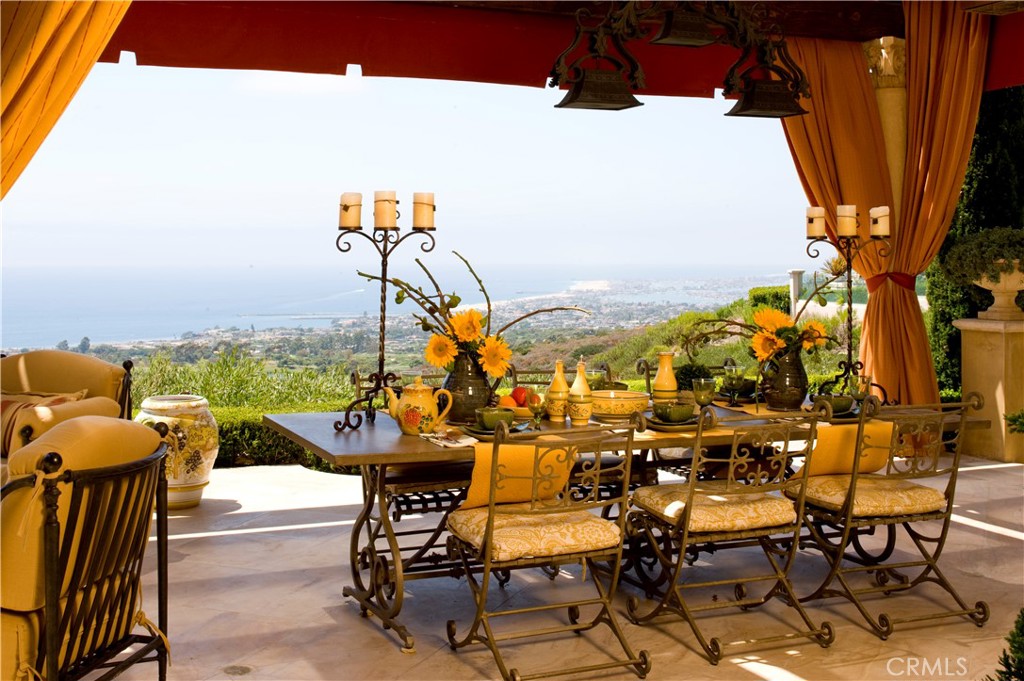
416	411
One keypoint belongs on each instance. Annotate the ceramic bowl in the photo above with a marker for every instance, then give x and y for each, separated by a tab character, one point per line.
618	404
488	418
673	413
840	403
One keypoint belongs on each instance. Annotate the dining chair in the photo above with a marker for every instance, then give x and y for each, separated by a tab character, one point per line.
907	459
527	508
741	507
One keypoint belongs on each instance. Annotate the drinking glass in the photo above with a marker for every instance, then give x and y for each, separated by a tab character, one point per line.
703	391
861	387
535	403
732	382
409	376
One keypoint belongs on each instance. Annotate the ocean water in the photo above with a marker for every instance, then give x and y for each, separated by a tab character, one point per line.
115	305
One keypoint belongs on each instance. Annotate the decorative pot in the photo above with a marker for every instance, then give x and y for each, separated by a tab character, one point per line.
192	444
665	388
467	382
1004	290
785	381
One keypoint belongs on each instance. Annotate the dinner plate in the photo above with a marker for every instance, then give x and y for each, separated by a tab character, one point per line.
488	435
689	424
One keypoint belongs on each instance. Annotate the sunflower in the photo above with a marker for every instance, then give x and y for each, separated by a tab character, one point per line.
772	320
814	335
765	345
466	325
441	350
494	356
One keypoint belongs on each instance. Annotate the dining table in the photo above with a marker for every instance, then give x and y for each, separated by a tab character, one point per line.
379	562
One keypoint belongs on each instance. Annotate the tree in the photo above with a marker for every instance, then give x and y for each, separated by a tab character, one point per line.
84	345
63	345
992	196
1012	660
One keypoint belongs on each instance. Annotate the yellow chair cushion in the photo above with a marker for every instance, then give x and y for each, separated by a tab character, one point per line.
42	418
14	405
836	445
876	495
516	461
59	371
531	535
83	442
715	512
19	641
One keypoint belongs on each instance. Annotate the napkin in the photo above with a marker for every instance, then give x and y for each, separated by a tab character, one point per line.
449	438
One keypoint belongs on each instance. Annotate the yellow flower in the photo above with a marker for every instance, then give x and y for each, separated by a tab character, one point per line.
494	356
771	319
765	345
814	335
440	350
466	325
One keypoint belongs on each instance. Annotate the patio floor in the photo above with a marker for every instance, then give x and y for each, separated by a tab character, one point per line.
257	571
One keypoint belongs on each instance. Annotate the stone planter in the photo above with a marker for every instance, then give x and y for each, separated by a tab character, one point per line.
192	444
1004	290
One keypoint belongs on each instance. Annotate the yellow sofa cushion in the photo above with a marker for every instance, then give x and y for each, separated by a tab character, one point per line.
836	445
517	461
13	406
59	371
83	442
530	535
714	511
877	496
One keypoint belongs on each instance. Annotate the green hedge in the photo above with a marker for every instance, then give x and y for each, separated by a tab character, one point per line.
770	296
245	441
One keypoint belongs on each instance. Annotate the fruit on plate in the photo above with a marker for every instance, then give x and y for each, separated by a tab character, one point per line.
507	401
519	395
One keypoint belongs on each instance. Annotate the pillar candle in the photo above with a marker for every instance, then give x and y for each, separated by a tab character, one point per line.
847	220
385	210
350	215
815	222
423	210
879	221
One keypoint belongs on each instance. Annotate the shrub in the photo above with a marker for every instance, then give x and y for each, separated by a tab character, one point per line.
1012	661
990	254
689	371
770	296
1015	421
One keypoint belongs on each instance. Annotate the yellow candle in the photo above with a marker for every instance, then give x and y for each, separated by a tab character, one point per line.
815	222
385	210
879	221
847	215
350	215
423	210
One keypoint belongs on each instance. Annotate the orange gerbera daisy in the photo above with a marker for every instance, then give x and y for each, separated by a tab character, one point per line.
441	350
466	325
771	319
814	335
765	345
494	356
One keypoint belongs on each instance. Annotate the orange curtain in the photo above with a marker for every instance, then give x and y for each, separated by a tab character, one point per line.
48	50
834	144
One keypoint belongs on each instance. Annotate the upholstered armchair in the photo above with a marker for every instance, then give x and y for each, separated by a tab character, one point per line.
74	527
42	388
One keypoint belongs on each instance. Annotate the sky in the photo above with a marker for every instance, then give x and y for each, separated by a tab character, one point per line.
245	169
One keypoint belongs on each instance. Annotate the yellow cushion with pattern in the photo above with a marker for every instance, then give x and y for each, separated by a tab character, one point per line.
530	535
516	462
14	404
836	445
876	495
714	511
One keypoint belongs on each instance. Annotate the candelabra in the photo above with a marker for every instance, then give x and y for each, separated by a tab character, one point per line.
849	245
386	239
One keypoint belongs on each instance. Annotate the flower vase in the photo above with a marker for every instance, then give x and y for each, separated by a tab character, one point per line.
470	389
784	381
665	388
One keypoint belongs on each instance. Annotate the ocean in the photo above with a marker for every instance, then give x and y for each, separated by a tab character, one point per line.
110	305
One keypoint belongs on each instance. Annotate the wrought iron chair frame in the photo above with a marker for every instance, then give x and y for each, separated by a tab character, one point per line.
937	428
757	462
586	489
135	487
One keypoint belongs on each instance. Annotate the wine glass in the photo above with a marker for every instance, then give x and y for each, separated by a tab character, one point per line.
733	382
703	391
535	403
861	387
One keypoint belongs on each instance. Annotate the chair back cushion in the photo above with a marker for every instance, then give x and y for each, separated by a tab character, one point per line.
58	371
836	448
83	443
14	407
516	465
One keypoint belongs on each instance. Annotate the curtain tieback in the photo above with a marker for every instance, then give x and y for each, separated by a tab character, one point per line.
903	279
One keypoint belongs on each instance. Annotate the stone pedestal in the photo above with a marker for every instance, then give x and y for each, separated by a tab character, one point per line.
993	365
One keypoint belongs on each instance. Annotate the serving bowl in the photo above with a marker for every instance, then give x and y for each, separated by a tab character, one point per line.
618	404
488	418
673	412
840	403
